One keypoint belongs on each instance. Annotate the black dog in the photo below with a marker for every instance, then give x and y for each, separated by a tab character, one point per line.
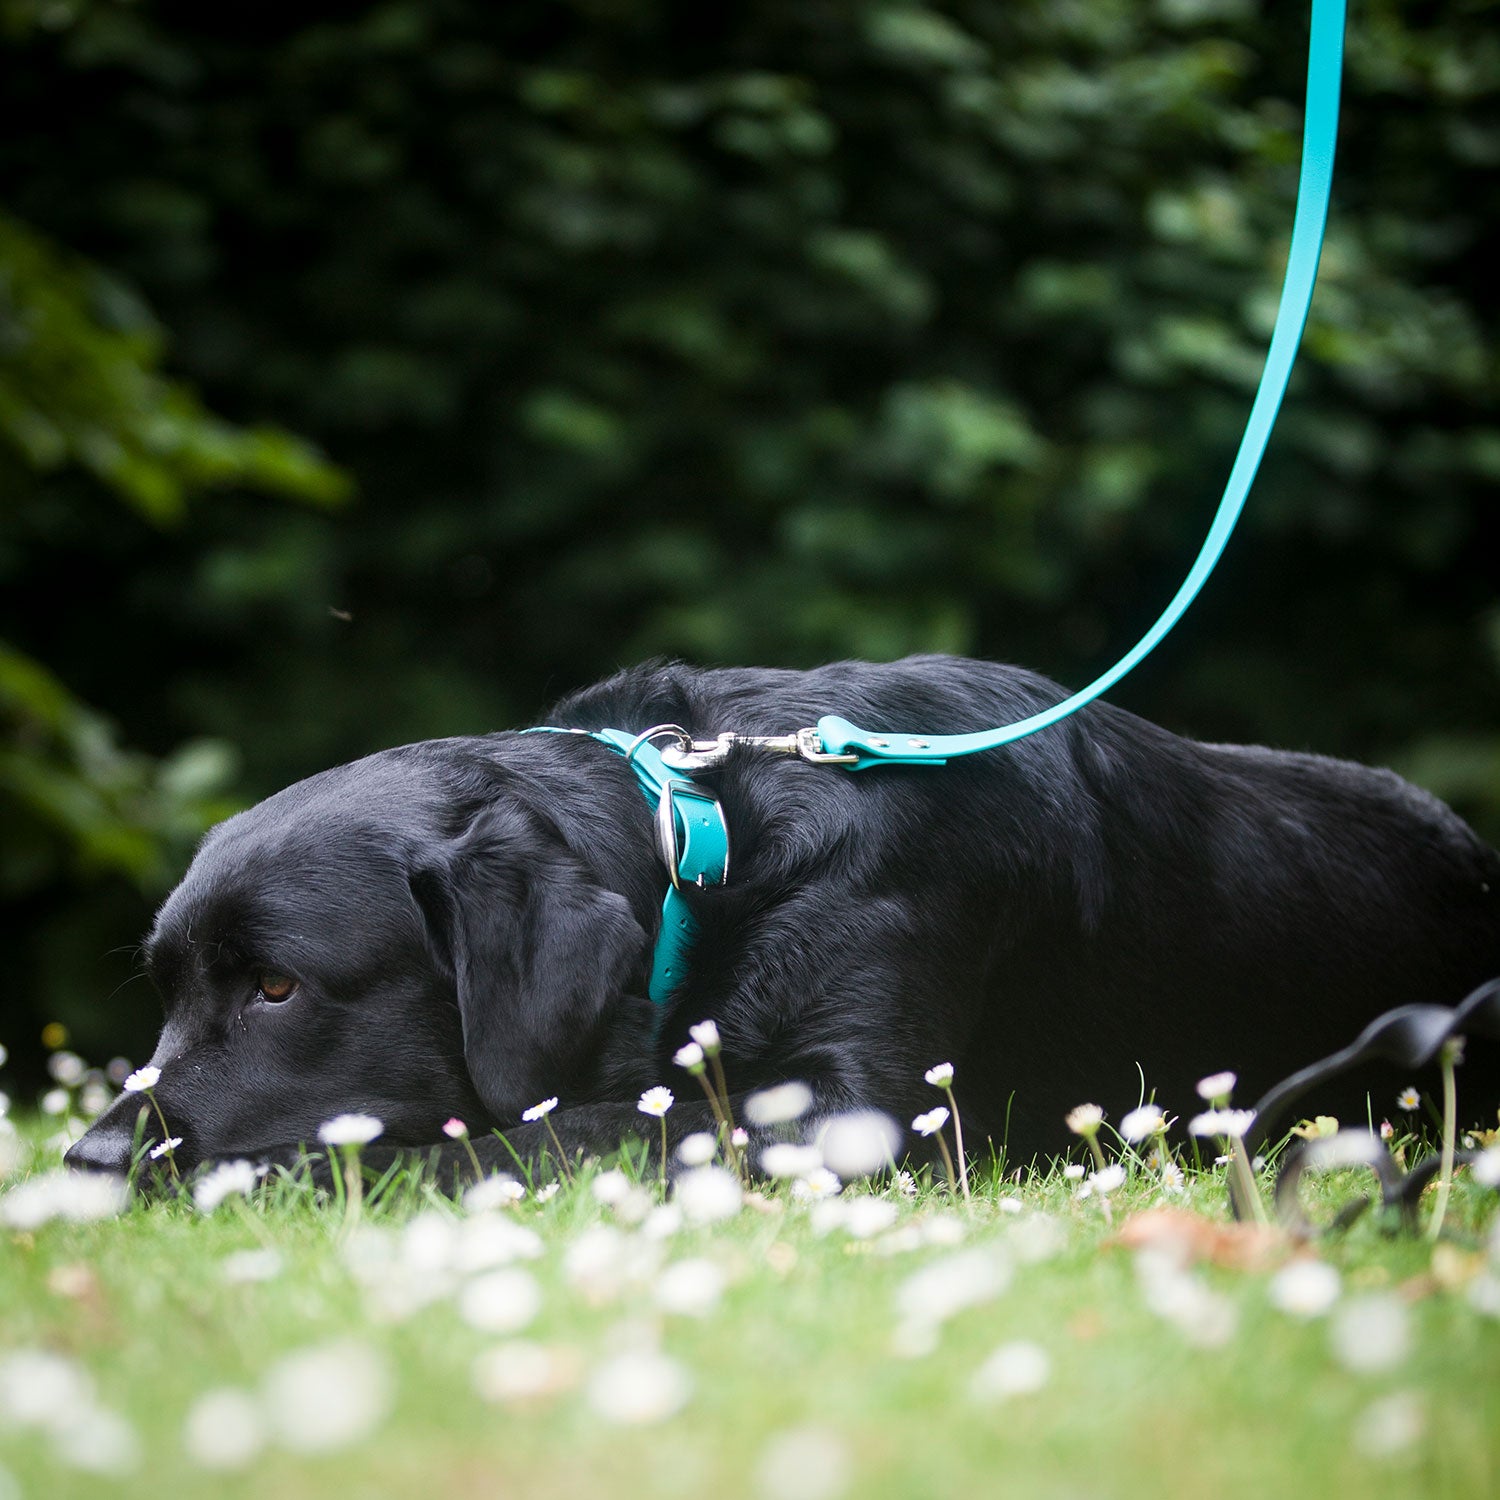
464	927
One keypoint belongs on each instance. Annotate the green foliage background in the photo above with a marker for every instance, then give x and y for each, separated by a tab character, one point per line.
759	333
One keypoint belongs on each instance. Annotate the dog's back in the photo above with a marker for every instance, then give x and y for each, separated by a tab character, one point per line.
1100	904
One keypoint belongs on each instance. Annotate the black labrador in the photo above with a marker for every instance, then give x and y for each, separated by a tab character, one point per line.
464	927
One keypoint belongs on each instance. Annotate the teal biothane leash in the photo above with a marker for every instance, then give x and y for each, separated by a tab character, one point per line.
1319	135
691	830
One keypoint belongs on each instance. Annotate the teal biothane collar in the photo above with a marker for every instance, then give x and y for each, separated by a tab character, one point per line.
692	838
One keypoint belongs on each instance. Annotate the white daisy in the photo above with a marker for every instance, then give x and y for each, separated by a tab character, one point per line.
223	1181
350	1130
706	1034
655	1101
1145	1121
1216	1087
779	1104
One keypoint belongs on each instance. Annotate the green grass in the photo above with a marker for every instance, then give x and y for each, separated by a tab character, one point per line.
804	1337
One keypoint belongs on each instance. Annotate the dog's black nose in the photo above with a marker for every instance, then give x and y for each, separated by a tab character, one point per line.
105	1148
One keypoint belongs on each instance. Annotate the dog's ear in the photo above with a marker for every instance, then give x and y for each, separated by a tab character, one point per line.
537	951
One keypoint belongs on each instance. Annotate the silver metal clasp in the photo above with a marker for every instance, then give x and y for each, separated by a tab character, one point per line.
690	755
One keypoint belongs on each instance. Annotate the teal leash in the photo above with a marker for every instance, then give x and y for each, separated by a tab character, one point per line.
692	834
1325	61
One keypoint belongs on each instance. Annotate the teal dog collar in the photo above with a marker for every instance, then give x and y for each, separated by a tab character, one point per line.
691	835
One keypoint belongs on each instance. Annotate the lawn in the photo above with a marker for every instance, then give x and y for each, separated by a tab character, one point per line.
1041	1341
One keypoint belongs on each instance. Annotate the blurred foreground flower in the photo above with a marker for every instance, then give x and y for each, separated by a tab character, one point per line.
943	1288
779	1104
1142	1123
859	1142
1304	1288
1016	1369
1227	1124
77	1197
224	1429
639	1387
498	1191
784	1159
350	1130
327	1397
708	1194
698	1149
54	1394
819	1183
520	1370
690	1288
804	1463
225	1180
500	1301
1217	1087
1370	1334
1390	1426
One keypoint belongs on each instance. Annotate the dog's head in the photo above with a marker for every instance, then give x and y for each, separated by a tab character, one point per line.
409	936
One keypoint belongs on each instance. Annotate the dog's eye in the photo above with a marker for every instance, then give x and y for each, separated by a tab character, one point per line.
274	987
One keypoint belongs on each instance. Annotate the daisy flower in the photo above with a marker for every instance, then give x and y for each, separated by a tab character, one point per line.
141	1080
348	1130
706	1034
1217	1087
940	1076
1408	1099
539	1111
224	1181
1140	1123
656	1101
931	1122
1232	1123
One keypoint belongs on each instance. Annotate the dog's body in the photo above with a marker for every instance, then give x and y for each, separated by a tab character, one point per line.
469	923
